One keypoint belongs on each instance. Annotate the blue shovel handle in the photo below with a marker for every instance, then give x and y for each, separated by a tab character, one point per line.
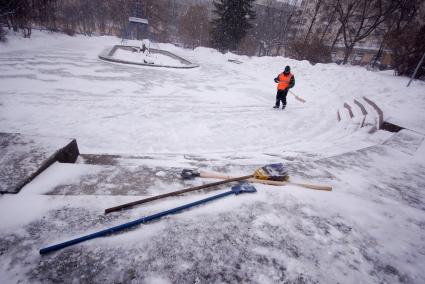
237	189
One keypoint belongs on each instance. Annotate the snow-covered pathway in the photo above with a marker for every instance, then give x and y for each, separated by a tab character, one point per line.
62	89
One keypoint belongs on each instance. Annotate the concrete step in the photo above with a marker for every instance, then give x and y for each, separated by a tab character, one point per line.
23	157
116	180
405	141
143	179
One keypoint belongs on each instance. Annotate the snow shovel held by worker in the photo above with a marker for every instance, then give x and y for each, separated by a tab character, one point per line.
237	189
189	174
275	172
297	97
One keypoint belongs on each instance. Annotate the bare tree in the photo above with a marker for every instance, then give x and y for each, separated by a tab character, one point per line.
405	37
408	48
118	13
275	26
18	16
160	16
397	24
5	10
69	17
312	50
44	14
288	17
359	18
329	18
194	26
101	14
313	19
265	31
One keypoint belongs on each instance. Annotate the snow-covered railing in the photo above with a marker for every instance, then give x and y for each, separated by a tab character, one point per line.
108	55
374	116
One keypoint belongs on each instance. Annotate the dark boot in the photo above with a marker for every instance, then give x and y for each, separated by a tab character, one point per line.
283	106
276	106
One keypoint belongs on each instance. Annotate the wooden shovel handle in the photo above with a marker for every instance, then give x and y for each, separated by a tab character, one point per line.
269	182
297	97
313	186
214	175
149	199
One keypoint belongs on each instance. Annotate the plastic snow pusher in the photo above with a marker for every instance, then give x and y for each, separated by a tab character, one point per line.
237	189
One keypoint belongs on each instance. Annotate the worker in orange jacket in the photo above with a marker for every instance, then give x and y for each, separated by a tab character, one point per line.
285	80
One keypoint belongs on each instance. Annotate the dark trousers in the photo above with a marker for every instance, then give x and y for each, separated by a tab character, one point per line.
281	96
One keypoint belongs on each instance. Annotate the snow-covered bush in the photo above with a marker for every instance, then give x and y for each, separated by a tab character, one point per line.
407	49
312	50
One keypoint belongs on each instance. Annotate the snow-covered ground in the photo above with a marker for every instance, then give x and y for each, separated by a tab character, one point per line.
369	229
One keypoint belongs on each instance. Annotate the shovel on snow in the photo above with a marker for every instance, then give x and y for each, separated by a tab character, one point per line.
297	97
237	189
276	172
189	174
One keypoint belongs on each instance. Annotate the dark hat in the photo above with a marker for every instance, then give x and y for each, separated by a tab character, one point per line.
287	69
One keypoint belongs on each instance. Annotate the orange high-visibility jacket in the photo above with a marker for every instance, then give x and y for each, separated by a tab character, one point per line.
284	81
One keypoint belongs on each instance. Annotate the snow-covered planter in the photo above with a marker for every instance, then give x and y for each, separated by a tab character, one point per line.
155	57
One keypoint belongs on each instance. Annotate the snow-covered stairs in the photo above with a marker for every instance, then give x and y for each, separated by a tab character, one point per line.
115	175
404	141
90	179
382	170
363	112
286	218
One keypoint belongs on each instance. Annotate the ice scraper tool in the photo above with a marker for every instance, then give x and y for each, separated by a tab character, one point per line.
237	189
277	172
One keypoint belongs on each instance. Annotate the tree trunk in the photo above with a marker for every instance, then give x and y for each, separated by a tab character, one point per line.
378	54
336	38
313	20
260	48
347	53
330	21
